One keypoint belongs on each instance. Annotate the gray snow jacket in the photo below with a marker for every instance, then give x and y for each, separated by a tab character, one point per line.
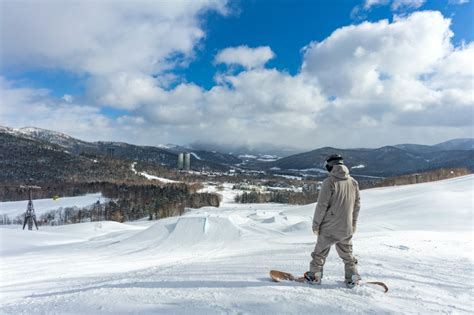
338	205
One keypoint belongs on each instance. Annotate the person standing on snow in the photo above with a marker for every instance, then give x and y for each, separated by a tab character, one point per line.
335	220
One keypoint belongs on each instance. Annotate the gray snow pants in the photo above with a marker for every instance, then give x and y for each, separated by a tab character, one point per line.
343	248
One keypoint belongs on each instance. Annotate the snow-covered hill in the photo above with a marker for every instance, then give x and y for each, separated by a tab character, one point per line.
418	239
55	137
46	135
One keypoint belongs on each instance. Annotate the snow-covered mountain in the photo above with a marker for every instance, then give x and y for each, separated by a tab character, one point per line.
417	239
456	144
58	138
55	137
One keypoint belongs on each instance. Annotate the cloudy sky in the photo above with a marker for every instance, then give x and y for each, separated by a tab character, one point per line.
305	74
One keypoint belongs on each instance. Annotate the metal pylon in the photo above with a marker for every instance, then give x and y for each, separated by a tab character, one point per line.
30	216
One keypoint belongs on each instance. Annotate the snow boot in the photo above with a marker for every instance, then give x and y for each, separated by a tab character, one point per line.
352	281
313	277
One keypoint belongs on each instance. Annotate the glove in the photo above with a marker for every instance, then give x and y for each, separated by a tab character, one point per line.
315	229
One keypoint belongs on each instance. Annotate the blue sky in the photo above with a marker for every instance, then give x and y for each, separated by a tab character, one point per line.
287	26
158	77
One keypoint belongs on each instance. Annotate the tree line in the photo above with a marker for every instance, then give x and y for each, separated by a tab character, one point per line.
128	202
289	197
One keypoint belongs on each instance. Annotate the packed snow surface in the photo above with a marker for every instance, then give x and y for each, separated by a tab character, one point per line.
418	239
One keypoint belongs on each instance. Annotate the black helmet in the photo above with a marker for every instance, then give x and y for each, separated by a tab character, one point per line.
333	159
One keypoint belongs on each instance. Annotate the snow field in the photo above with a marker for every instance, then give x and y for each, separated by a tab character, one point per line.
418	239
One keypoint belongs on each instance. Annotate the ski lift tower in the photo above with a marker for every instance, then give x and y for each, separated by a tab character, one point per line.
30	216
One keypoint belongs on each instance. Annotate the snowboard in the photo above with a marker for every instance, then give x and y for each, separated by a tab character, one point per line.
279	276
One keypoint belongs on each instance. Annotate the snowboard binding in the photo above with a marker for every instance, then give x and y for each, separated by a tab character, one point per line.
353	281
313	277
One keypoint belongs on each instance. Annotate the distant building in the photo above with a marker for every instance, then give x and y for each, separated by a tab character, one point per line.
187	161
180	161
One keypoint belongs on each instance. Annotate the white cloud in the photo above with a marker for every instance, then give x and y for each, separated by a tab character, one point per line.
394	79
21	107
119	45
370	3
457	2
245	56
374	61
181	106
263	92
125	90
411	4
402	75
456	73
101	37
395	4
236	101
68	98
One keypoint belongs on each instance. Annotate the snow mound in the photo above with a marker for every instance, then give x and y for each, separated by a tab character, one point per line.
238	219
203	230
272	220
149	238
282	219
304	227
261	216
182	233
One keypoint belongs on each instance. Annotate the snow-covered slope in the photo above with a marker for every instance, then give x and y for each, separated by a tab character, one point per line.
152	177
418	239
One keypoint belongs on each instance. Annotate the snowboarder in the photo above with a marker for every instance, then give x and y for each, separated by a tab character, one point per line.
335	221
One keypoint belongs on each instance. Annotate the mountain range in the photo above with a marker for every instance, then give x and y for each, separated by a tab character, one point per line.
165	155
386	161
23	150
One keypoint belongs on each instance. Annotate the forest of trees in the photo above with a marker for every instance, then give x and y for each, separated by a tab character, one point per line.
290	197
430	176
9	192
